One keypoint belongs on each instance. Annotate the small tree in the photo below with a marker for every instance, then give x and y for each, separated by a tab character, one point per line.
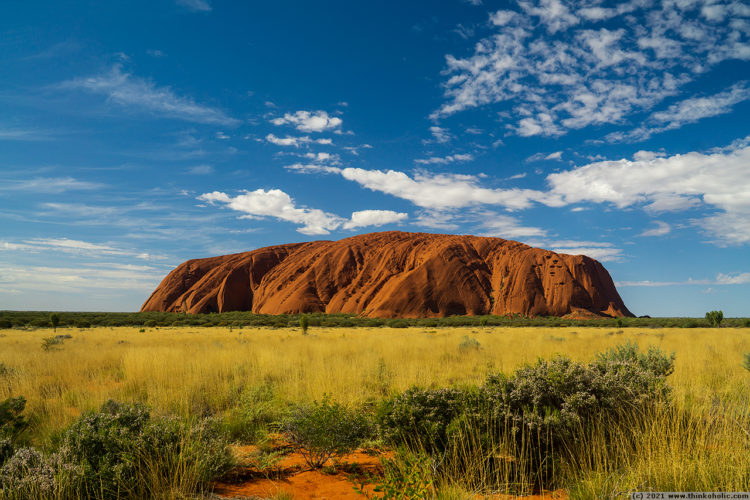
304	323
715	317
55	320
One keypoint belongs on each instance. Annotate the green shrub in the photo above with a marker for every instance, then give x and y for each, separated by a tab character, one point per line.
259	410
5	324
83	324
304	323
398	323
406	476
27	474
419	418
12	423
324	430
121	452
746	361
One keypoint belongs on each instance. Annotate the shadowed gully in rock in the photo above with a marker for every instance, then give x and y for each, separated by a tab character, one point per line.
393	274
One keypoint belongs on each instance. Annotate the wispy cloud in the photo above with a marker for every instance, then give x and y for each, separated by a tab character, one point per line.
49	185
70	246
721	279
443	160
17	134
684	112
137	94
296	142
195	5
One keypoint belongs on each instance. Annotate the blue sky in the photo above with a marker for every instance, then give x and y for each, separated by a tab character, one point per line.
136	135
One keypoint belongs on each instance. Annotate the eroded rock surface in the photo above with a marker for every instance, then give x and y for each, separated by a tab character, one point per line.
393	274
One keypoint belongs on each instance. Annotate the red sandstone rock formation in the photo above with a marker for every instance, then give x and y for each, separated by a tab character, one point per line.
393	274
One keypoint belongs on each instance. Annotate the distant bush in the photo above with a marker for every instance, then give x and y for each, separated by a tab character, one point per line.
398	323
323	430
746	361
469	344
304	323
5	324
715	317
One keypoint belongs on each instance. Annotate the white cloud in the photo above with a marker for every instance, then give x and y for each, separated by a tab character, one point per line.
16	134
138	94
508	227
684	112
309	121
443	191
195	5
661	229
554	68
295	141
599	250
70	246
374	218
716	180
201	170
557	156
49	185
440	135
278	204
721	279
73	279
442	160
553	13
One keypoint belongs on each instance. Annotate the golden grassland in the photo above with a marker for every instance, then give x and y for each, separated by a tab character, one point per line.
201	371
703	441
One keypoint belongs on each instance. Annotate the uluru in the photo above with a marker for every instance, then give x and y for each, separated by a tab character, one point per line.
393	274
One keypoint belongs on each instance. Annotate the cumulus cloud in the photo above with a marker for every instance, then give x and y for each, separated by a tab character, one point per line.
556	68
715	180
137	94
309	121
277	204
365	218
443	191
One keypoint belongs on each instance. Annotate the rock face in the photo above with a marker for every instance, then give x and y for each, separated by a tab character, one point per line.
393	274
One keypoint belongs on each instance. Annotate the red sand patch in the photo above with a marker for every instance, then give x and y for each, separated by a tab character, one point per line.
293	476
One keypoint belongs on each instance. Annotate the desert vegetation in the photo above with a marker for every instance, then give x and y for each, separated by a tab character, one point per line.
149	411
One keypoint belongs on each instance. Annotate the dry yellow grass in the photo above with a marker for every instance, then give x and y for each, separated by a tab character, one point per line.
202	371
